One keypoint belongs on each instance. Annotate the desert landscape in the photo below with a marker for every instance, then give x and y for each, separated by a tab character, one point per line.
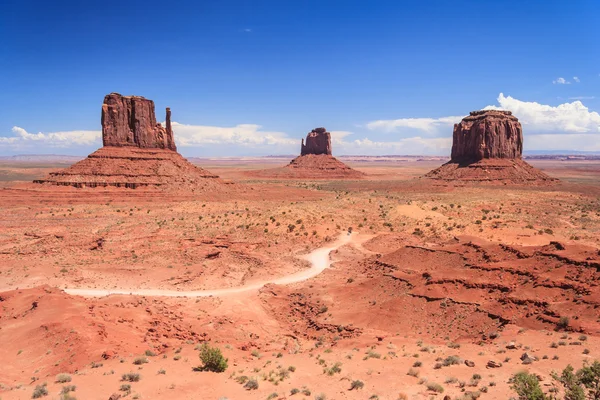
135	273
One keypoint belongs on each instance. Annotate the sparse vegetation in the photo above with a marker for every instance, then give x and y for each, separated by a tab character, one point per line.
212	359
63	378
130	377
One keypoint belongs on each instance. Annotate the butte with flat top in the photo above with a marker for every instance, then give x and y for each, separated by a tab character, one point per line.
487	146
314	162
137	151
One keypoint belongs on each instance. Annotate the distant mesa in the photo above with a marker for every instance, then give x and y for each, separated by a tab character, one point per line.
315	161
137	151
487	146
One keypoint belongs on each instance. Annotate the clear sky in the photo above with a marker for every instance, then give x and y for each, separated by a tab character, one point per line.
253	77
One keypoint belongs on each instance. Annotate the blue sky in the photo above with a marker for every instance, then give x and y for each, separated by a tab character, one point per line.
253	77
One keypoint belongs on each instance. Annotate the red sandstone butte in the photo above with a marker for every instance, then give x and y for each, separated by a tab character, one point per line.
487	134
487	146
130	121
137	152
318	141
314	162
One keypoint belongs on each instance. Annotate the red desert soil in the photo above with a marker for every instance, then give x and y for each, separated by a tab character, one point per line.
432	271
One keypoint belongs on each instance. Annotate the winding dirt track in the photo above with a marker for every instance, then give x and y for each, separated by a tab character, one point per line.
319	260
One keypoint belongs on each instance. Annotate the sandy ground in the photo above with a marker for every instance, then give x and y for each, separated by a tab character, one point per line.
431	271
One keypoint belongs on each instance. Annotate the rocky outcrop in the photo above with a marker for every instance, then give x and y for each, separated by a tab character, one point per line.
486	147
487	134
137	152
318	141
130	121
314	162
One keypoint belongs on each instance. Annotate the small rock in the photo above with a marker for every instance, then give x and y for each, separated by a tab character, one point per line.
493	364
114	396
469	363
511	346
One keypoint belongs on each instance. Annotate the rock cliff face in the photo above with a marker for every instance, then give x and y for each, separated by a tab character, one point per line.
487	147
487	134
130	121
318	141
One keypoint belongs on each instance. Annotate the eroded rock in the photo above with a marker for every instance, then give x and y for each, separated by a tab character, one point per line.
130	121
318	141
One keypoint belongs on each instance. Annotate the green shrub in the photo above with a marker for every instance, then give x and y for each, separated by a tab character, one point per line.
212	359
527	387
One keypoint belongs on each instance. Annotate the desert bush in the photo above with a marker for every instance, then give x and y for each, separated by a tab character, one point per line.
527	387
451	360
130	377
335	369
272	396
563	323
294	391
417	364
372	354
68	388
212	359
150	353
39	391
125	387
63	378
252	384
435	387
356	385
413	372
140	360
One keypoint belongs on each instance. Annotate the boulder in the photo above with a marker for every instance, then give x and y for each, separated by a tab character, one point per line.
493	364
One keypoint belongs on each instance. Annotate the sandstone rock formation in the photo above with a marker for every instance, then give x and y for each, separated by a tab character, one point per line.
315	161
130	121
318	141
487	146
137	152
487	134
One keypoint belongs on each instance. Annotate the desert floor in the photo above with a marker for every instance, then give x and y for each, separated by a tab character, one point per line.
431	276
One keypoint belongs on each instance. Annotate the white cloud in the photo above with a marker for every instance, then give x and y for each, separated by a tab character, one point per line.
24	139
426	125
576	79
582	98
561	81
248	135
540	118
411	145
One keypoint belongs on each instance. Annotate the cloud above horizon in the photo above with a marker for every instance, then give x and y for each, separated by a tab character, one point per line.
567	126
540	118
54	139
